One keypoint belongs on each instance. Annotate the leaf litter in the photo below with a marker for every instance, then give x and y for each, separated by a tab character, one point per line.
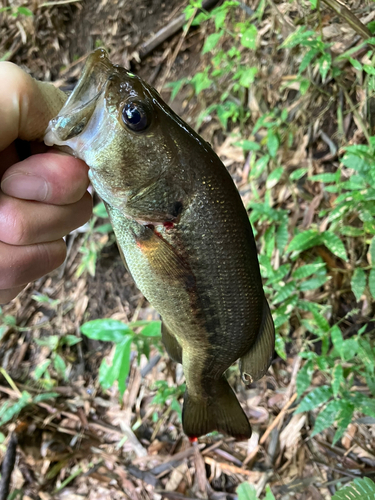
77	440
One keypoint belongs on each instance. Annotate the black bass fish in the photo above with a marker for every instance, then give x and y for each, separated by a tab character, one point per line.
183	233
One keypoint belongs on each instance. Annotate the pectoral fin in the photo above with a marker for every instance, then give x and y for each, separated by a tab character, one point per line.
164	259
171	345
256	362
123	258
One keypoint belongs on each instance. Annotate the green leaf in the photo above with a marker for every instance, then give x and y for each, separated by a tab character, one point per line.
282	235
248	76
153	329
321	321
358	282
41	368
274	177
272	143
24	10
334	244
190	9
305	240
366	354
337	379
279	320
51	342
304	85
9	320
220	18
70	340
3	329
313	283
326	177
350	349
246	491
104	228
259	167
326	417
304	377
372	251
45	396
337	339
247	145
60	366
371	282
176	87
249	37
366	406
370	381
359	489
175	405
297	174
124	363
297	37
106	376
369	69
307	270
269	494
211	42
201	81
106	330
100	210
351	231
354	161
344	418
286	290
307	59
280	346
119	368
10	410
269	240
325	62
314	399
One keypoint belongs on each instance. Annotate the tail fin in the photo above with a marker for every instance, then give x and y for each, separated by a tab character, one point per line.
221	412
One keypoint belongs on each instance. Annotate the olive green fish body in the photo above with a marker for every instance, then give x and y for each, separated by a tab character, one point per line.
183	232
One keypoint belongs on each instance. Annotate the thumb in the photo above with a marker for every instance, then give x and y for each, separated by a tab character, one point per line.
26	105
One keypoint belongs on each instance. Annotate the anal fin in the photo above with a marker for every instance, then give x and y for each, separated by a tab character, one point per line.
256	361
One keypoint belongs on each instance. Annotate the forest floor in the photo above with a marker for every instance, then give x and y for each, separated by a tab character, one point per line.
87	443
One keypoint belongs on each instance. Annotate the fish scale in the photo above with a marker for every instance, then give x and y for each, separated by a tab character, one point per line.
183	232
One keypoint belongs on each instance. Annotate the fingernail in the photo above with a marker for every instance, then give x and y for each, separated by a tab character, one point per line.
26	187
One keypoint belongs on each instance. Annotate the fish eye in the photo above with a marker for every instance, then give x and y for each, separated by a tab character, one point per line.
135	116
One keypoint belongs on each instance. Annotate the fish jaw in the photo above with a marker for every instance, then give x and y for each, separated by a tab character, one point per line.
79	107
87	123
90	145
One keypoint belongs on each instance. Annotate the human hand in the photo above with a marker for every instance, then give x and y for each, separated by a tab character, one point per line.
43	197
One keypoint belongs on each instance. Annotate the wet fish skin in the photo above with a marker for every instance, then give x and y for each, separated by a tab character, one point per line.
183	232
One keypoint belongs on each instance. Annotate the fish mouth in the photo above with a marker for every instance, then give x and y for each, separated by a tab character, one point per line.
81	103
95	74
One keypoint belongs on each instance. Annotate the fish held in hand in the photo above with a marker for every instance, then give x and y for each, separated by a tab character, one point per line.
182	231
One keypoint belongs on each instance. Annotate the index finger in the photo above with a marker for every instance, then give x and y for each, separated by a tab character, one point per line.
26	105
